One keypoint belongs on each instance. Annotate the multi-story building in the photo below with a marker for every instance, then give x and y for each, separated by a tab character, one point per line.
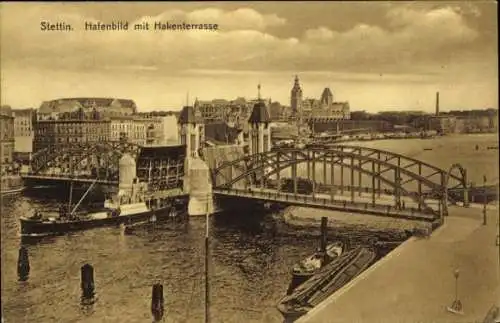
6	140
142	129
317	109
69	131
105	107
23	133
235	112
123	128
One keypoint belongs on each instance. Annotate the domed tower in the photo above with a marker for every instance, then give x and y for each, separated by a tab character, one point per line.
296	98
259	132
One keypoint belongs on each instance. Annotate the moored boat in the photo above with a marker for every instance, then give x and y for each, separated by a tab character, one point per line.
127	206
325	282
307	267
127	213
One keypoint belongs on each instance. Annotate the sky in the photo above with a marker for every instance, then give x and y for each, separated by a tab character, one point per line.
378	56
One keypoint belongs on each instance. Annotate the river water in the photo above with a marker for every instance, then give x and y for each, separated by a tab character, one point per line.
250	260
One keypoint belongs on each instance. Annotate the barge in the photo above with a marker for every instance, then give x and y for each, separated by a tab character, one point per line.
325	282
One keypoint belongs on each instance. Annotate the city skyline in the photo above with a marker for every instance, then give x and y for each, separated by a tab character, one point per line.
377	56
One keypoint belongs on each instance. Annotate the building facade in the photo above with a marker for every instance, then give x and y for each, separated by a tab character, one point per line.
234	112
6	140
64	132
23	133
123	128
317	109
105	107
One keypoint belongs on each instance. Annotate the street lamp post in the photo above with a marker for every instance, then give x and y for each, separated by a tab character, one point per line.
456	306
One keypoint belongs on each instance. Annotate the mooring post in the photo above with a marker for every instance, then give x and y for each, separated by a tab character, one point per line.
23	264
324	229
87	281
157	302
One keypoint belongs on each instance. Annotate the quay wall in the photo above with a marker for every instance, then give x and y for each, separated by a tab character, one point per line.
417	278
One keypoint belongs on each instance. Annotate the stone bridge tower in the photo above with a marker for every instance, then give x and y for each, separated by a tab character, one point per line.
191	131
259	131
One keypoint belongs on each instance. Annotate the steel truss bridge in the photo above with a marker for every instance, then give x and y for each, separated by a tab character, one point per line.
81	162
344	177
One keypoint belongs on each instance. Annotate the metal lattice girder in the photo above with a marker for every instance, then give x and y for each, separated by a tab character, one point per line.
81	157
395	170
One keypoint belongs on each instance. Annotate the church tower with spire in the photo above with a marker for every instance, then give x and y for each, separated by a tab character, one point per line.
296	98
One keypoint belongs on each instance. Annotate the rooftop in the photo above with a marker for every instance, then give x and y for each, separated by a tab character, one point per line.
188	115
259	113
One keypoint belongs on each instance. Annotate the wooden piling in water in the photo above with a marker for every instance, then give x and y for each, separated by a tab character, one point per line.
23	264
87	281
157	302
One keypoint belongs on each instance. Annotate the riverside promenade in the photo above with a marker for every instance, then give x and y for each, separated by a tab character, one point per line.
415	282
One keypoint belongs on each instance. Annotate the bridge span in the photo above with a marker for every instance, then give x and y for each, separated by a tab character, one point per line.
332	202
342	177
340	169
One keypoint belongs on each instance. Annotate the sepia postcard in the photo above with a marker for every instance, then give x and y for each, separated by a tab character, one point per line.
301	161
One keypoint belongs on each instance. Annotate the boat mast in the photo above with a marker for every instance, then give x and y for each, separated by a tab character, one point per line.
70	186
149	173
207	287
70	194
84	195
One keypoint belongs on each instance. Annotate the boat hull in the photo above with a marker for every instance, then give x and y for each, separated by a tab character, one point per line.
327	281
31	227
12	191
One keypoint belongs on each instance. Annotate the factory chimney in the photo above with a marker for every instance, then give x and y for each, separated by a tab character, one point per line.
437	104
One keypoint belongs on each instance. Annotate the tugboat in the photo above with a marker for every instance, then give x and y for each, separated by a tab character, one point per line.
326	253
307	267
38	225
127	206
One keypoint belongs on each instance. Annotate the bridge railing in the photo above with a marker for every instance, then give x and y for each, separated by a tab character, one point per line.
318	201
328	188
